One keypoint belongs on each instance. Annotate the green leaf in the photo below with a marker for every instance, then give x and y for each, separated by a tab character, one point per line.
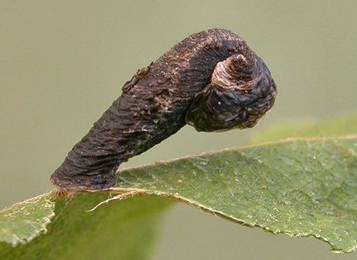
299	187
296	187
122	230
24	221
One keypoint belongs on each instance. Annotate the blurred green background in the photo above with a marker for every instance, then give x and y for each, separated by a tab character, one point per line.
62	63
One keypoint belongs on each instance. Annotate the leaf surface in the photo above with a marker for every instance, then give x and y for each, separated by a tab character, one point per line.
296	187
119	230
299	187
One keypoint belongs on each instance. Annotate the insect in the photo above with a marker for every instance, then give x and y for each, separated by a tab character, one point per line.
211	80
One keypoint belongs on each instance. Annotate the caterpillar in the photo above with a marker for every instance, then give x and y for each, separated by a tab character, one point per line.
211	80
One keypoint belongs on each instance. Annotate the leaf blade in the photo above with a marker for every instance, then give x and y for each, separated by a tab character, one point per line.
296	190
113	231
300	187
